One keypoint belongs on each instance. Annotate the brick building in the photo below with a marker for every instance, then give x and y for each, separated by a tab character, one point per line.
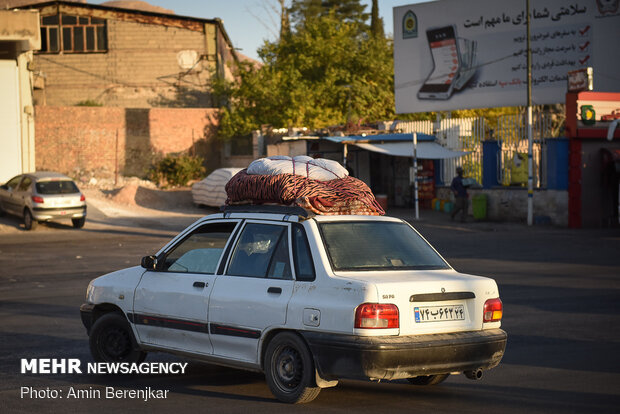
114	56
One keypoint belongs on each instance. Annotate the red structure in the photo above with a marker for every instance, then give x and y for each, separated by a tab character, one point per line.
594	159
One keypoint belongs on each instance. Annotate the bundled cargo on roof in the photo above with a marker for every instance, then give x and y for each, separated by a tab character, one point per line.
298	186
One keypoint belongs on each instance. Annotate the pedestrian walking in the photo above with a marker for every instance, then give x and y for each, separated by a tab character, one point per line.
460	194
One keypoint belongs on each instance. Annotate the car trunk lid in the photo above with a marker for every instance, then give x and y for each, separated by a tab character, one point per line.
432	301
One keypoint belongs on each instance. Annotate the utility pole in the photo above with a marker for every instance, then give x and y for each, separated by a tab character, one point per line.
415	175
530	169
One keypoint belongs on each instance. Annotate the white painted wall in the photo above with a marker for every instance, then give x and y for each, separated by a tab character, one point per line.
10	141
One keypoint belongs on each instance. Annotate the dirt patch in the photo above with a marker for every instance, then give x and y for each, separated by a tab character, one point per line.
133	195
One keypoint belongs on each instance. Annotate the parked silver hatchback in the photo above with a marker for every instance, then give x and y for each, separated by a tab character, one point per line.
43	196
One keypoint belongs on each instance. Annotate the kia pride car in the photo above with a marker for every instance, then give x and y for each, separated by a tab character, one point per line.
43	196
308	300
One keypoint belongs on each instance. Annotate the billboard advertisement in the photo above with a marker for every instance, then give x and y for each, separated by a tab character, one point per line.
454	54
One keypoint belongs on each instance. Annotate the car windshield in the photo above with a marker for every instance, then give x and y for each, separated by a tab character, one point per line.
378	245
57	187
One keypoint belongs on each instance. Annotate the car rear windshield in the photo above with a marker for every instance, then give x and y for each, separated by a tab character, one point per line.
378	245
57	187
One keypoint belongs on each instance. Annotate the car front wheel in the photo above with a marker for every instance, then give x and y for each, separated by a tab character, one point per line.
29	222
289	369
111	340
428	379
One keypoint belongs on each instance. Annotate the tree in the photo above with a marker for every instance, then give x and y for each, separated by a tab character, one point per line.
320	75
376	22
350	11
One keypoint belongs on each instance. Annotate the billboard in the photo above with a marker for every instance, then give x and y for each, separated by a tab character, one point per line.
454	54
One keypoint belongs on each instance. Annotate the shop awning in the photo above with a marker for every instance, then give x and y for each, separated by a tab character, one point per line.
425	150
400	145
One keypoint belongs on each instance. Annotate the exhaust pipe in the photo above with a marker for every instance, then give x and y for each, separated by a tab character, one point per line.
475	374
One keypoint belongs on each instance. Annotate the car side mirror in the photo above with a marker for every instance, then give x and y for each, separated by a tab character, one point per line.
149	262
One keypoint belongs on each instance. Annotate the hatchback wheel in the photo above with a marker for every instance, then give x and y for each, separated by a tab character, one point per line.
78	223
428	379
29	222
289	369
111	340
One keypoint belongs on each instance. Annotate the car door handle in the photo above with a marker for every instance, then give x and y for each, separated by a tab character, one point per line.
200	284
274	290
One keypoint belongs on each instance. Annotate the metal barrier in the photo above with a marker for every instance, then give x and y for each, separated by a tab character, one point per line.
467	134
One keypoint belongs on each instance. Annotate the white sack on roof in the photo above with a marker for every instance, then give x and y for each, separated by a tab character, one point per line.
319	169
211	191
425	150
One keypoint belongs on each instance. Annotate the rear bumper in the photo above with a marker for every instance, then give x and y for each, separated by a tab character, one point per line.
42	213
361	357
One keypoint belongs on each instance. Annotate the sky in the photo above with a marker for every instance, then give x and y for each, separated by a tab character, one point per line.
250	22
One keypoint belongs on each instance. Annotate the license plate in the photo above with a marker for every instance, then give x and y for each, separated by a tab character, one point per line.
439	313
62	213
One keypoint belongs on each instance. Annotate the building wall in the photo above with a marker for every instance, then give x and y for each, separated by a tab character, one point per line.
106	140
139	70
510	204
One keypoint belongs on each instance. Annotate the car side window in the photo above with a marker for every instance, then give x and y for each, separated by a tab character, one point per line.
262	251
201	251
25	184
13	182
304	266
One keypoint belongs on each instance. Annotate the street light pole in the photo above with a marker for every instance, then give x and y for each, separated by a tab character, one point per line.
530	169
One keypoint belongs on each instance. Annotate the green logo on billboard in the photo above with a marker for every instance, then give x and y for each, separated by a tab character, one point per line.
410	25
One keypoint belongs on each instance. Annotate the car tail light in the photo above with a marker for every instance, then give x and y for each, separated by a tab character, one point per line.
376	316
82	198
37	199
493	310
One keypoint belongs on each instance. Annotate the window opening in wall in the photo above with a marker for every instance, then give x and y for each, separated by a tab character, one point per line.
73	34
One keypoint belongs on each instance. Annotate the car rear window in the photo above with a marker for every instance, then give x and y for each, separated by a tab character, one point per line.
57	187
377	245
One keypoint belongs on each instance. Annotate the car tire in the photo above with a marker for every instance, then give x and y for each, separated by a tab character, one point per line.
289	369
78	223
29	222
428	379
111	340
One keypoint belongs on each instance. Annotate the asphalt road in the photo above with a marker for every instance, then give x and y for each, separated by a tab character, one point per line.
560	288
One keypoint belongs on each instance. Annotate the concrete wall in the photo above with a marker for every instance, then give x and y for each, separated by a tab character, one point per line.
103	140
510	204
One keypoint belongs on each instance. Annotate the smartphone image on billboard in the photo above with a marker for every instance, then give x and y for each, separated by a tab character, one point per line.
446	64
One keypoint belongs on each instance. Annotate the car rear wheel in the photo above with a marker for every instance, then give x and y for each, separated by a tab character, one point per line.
29	222
111	340
428	379
289	369
78	223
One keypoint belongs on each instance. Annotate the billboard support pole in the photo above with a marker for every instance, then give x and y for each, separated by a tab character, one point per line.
530	181
415	175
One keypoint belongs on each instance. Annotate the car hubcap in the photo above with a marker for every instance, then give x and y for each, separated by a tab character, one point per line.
288	368
116	344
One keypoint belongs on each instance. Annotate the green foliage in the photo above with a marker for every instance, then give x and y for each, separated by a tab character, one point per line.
88	102
177	170
376	22
349	11
326	73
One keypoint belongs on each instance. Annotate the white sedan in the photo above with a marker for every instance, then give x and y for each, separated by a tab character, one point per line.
308	300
